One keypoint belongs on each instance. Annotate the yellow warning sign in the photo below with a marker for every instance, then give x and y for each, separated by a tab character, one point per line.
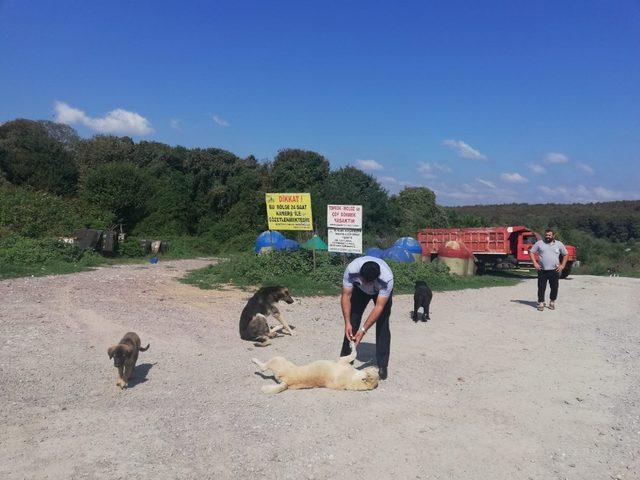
289	211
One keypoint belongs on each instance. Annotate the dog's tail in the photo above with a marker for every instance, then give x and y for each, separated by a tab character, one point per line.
145	348
261	366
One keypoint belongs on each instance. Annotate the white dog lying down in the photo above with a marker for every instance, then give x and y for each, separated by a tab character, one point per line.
339	375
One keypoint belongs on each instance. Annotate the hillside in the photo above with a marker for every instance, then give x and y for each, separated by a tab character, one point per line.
617	221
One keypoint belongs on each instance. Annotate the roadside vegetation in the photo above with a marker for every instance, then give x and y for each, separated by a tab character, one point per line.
208	201
296	271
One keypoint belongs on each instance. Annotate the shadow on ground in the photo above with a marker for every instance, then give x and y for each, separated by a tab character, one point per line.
529	303
140	373
511	274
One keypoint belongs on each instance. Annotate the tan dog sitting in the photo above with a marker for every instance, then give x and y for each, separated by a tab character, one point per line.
338	375
125	356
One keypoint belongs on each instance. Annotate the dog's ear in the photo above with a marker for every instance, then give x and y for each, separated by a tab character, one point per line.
110	350
128	350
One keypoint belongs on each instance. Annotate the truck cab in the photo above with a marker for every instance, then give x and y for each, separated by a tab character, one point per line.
524	241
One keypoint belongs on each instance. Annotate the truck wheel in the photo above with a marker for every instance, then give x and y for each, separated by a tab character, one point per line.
567	270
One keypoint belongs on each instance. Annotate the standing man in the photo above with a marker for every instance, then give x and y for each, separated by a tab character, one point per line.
366	279
548	265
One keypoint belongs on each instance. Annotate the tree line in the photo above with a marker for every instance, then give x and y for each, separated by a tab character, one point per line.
615	221
154	189
52	181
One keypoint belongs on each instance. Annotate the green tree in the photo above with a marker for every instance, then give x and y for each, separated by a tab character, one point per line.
30	155
102	150
167	205
350	186
120	189
416	208
295	170
158	157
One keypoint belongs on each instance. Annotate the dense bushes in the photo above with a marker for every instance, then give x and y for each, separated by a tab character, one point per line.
596	255
27	256
296	271
38	214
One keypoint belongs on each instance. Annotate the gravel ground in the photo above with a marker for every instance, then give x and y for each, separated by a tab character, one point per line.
489	389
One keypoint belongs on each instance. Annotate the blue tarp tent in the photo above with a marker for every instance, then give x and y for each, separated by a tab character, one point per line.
375	252
410	244
268	239
287	244
398	254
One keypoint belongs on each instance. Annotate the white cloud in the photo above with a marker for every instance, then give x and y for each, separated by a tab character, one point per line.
460	195
486	183
555	157
429	170
585	194
118	121
368	164
176	124
464	192
464	150
442	168
220	121
513	178
472	193
389	180
605	194
556	191
536	168
585	168
393	184
395	181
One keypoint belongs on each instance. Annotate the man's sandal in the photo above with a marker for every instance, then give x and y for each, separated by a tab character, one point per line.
552	306
540	307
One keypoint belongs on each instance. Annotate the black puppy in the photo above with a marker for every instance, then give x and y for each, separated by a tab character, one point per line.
421	298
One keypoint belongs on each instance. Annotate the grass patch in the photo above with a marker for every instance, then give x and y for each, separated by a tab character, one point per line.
28	257
295	270
20	257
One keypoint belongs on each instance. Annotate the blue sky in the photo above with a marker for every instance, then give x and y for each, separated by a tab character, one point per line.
484	102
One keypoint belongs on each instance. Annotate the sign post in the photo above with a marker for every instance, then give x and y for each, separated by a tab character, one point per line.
345	240
344	224
289	211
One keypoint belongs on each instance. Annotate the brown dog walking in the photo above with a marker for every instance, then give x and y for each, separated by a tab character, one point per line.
125	356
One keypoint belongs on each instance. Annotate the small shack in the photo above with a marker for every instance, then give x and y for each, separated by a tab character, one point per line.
458	257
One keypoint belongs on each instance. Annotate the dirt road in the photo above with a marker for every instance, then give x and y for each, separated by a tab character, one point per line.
489	389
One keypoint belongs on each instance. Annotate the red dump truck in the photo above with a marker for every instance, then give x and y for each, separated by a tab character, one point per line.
494	247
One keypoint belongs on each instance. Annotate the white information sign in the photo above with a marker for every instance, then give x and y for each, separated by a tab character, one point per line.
345	240
344	216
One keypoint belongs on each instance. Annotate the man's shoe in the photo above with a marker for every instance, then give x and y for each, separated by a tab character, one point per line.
382	372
